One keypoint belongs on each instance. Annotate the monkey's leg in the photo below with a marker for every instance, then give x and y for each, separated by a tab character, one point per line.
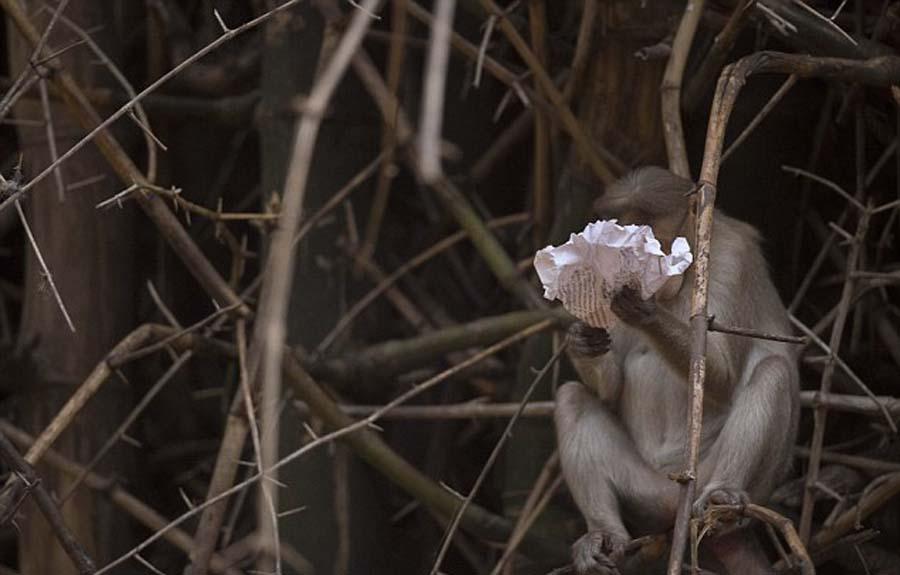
739	553
749	455
604	471
753	448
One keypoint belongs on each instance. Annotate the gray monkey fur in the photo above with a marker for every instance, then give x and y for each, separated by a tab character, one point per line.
622	430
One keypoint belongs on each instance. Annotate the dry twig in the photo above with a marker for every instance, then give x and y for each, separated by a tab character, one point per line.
45	503
884	70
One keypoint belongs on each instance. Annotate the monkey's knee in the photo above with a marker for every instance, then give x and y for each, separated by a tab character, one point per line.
582	430
753	449
572	400
572	393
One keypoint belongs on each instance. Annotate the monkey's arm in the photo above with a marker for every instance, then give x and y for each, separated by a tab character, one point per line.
601	375
597	368
671	337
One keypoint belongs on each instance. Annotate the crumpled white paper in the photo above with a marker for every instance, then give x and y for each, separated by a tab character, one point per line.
587	270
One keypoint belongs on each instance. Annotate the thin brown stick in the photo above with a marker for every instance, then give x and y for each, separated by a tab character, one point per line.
28	76
80	106
847	370
137	339
120	359
120	431
670	91
467	49
699	324
45	270
828	184
502	145
476	409
883	70
341	471
849	520
254	544
522	528
507	433
435	80
267	345
130	504
394	357
490	249
397	52
781	523
582	56
347	430
85	391
85	37
71	90
21	86
487	33
761	115
174	194
821	412
14	460
237	422
865	463
746	332
404	305
51	139
481	408
605	166
223	476
544	487
410	265
818	261
541	158
712	62
224	472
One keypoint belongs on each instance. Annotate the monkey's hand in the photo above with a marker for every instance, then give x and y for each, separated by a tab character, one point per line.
597	553
587	341
628	305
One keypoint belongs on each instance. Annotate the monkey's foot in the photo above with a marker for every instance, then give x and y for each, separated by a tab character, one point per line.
720	495
597	553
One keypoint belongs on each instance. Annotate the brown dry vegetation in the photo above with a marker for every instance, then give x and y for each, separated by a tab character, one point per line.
267	303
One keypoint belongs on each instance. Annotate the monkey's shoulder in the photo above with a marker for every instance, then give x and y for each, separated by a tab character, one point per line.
738	270
735	243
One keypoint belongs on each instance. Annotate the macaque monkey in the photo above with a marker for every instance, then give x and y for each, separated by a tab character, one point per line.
622	429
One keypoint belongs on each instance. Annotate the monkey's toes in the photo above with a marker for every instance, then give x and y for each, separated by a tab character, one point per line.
596	553
719	495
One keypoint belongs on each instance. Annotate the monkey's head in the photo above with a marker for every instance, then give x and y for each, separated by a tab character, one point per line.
648	196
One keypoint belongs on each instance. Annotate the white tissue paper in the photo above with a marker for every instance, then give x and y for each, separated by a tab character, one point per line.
587	270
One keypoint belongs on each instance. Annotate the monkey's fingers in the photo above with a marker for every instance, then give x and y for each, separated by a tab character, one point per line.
628	305
597	553
588	341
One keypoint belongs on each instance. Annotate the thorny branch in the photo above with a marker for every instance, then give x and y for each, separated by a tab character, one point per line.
32	483
263	360
878	71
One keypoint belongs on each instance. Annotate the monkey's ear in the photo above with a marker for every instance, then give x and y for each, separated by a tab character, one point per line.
607	206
